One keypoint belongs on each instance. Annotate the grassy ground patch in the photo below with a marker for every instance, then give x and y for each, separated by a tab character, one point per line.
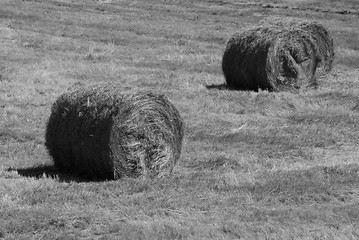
255	165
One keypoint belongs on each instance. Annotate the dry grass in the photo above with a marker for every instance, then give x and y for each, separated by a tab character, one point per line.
255	165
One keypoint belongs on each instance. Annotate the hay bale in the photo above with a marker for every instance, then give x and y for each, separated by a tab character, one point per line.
276	57
100	133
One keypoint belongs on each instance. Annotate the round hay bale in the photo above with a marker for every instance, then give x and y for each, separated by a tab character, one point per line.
277	55
97	132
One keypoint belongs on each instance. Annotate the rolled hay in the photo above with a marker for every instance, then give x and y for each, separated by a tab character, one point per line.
98	132
274	58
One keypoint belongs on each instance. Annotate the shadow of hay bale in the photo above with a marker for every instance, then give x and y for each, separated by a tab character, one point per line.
48	171
98	132
226	87
222	86
278	56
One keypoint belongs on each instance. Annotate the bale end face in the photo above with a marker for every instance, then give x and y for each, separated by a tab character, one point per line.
319	35
149	133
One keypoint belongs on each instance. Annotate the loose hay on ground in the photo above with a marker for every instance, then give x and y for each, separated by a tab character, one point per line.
98	132
277	56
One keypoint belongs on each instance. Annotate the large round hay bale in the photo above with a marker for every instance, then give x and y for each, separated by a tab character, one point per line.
98	132
277	56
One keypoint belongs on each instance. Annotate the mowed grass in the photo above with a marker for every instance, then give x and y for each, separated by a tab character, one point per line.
254	165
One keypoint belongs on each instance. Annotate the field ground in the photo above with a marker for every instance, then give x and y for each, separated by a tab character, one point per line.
255	165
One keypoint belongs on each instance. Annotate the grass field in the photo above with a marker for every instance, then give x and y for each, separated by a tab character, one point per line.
254	165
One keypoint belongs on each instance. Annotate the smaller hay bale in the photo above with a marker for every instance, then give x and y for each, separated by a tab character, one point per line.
98	132
267	58
277	56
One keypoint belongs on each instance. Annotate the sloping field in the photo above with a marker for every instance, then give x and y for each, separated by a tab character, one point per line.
255	165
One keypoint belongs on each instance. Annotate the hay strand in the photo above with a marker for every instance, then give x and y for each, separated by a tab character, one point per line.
98	132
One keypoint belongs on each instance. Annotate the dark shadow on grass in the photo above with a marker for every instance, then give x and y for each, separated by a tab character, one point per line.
47	171
222	86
